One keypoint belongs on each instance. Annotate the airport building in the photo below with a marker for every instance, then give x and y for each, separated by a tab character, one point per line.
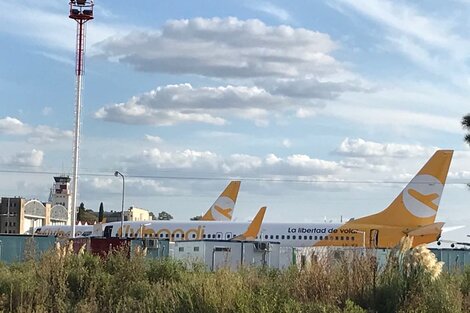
19	215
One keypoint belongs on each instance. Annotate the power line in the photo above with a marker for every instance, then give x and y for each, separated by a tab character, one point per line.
216	178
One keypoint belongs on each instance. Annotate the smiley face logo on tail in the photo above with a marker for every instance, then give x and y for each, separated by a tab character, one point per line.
425	199
421	196
225	212
222	209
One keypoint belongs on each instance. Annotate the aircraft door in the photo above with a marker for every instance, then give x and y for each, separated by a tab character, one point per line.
374	238
108	230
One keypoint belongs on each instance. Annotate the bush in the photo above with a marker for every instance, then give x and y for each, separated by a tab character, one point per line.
346	282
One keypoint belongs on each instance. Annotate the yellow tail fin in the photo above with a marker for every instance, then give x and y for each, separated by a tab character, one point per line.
253	228
222	209
418	203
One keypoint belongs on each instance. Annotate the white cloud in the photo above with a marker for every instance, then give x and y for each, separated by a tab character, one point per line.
407	20
286	143
173	104
362	148
135	186
310	87
207	163
56	31
226	47
271	9
31	158
46	111
13	126
429	39
395	119
154	139
37	134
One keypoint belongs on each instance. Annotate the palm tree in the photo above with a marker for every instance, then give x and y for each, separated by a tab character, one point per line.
466	125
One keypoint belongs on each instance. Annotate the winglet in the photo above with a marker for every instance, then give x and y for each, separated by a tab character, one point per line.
253	228
222	209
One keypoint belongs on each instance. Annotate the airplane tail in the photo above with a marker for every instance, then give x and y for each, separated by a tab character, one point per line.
222	209
418	203
253	228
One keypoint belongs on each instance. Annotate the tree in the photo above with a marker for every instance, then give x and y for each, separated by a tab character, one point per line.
164	216
196	218
101	213
466	125
81	212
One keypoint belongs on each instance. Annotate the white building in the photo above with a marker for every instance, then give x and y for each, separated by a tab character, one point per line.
215	254
60	196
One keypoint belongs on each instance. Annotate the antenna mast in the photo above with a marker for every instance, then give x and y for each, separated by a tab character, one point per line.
81	11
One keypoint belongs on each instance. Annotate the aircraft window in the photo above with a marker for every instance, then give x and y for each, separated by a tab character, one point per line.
126	234
182	235
265	236
347	237
161	235
288	236
271	237
277	236
352	238
342	238
336	238
213	236
305	237
293	237
321	237
177	235
316	237
172	235
310	237
282	237
194	236
203	236
219	236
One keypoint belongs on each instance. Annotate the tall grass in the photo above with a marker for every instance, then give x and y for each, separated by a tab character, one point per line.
349	282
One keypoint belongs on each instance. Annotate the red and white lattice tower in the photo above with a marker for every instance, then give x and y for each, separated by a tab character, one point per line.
81	11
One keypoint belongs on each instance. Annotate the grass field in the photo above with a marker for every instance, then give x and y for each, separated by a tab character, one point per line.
60	281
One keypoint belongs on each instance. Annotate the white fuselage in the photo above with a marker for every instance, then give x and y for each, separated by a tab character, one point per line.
287	234
64	230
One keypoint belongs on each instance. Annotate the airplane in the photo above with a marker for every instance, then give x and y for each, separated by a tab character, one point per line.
221	210
412	214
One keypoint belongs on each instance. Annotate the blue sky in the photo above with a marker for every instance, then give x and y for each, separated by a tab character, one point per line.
339	92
